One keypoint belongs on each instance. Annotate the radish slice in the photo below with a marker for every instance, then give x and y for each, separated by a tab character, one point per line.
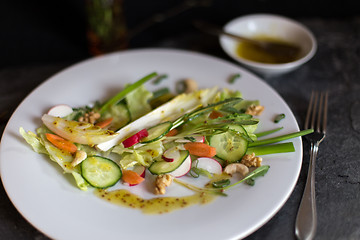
143	133
61	110
134	139
171	154
208	164
197	139
183	169
139	170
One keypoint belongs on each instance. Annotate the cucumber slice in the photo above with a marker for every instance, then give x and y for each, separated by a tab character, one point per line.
157	132
100	172
230	146
162	167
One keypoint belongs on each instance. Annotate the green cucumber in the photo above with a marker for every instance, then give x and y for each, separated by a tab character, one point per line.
157	132
163	167
232	145
100	172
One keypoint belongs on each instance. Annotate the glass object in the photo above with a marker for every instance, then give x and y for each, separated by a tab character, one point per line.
107	30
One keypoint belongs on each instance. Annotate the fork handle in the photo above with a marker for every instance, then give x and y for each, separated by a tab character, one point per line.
306	219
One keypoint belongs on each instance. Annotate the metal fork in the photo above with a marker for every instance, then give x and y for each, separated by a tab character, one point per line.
316	117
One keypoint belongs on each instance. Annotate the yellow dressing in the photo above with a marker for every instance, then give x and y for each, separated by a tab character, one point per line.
252	52
158	205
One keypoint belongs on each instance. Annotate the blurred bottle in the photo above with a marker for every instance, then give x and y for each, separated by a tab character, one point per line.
107	30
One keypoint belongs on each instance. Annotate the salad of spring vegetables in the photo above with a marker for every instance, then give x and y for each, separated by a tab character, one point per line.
209	132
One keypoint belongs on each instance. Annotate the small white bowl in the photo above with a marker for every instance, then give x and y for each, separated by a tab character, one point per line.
271	26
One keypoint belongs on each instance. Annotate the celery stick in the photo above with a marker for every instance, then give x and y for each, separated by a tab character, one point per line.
121	95
272	149
280	138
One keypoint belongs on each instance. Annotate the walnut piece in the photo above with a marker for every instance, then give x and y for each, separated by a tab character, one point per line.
255	110
250	160
190	85
161	182
236	168
90	117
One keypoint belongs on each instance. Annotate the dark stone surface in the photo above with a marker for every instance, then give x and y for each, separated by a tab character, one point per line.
335	68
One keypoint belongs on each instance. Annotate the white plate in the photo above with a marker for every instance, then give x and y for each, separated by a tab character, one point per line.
51	202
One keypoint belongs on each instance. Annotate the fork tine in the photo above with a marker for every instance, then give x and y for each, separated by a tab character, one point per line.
325	111
314	109
318	124
308	113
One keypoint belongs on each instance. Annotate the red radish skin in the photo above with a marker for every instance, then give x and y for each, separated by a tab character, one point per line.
61	110
183	169
142	133
134	139
171	154
208	164
167	159
139	170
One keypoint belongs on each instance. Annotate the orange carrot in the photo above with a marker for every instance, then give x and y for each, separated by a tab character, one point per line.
215	114
200	149
172	132
61	143
131	177
104	123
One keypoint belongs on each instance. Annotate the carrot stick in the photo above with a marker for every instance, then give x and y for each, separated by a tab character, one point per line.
200	149
61	143
131	177
104	123
215	114
172	132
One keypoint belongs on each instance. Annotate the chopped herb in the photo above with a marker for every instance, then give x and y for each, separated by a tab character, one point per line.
233	78
180	86
196	172
160	78
160	92
279	117
222	183
191	139
250	182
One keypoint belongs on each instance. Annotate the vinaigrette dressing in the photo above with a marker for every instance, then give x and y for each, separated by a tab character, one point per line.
252	52
158	205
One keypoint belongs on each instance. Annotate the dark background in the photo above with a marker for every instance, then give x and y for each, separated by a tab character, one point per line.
42	31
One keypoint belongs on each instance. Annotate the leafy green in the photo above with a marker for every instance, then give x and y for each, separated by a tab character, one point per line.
143	155
138	102
121	95
33	140
120	115
258	172
41	145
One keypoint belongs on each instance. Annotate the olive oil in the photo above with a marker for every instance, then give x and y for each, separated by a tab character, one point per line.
254	53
